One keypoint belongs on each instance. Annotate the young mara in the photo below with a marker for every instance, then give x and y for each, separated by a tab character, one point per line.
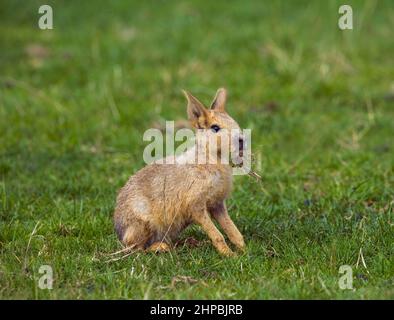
162	199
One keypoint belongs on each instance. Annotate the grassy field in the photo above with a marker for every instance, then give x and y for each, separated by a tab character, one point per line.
75	101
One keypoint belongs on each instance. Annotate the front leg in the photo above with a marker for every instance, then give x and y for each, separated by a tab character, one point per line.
220	214
204	220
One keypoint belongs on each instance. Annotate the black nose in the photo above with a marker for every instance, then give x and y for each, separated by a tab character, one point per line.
241	144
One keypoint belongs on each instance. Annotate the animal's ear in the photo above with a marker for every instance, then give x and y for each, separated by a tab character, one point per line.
196	111
219	103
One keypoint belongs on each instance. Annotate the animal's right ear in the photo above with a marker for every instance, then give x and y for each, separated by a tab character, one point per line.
196	111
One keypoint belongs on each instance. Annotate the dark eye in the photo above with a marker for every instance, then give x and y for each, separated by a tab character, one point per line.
215	128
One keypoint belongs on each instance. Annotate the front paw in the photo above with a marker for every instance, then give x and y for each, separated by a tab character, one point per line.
240	245
227	253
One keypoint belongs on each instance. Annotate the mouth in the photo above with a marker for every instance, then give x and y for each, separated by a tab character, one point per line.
238	160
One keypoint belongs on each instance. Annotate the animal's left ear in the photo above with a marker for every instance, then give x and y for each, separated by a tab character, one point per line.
219	103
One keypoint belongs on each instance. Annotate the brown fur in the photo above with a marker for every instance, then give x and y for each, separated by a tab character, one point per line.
160	200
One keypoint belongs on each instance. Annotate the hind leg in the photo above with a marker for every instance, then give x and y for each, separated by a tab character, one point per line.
136	236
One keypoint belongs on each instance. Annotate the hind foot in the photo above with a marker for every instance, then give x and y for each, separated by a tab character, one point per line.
159	247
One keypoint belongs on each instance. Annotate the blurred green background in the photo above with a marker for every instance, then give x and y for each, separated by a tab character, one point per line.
75	101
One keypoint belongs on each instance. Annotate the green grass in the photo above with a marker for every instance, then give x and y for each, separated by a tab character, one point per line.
320	104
